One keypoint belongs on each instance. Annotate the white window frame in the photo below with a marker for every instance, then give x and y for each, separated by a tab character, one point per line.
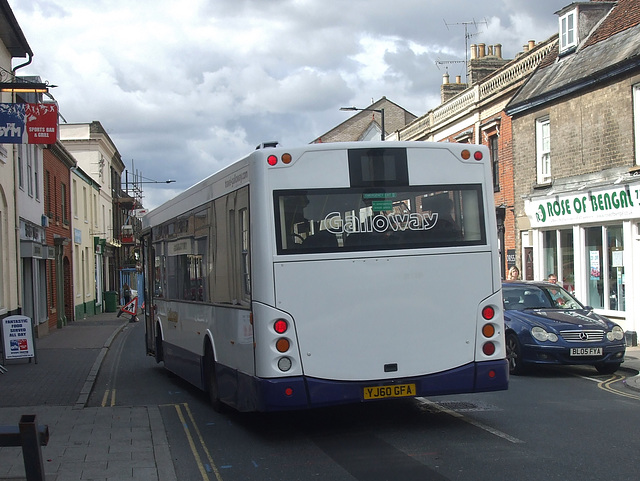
543	150
30	160
636	120
568	30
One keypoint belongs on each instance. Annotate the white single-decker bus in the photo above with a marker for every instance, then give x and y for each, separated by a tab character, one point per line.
328	274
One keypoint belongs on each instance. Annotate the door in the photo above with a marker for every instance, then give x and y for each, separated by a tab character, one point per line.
148	260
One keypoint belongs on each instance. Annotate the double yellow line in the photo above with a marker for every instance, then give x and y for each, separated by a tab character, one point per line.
105	399
608	386
192	443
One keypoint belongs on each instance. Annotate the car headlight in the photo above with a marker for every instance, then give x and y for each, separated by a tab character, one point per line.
615	334
541	335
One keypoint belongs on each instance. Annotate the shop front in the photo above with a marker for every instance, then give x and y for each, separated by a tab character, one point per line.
590	238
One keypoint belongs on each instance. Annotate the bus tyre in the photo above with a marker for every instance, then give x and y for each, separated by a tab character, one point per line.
159	353
211	379
513	354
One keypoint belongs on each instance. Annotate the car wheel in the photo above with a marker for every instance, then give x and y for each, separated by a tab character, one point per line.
514	354
609	368
211	379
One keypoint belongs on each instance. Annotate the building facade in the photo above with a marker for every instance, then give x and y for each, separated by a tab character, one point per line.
58	163
474	113
85	279
100	160
576	130
369	123
13	44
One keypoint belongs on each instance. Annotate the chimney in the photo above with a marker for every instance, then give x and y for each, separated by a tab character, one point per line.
498	50
474	51
449	90
532	44
485	64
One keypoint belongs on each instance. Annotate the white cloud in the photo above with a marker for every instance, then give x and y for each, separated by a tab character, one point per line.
184	88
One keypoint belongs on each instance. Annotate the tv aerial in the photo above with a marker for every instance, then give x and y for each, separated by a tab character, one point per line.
467	36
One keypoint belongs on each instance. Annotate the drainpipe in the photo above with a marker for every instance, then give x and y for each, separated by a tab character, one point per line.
15	197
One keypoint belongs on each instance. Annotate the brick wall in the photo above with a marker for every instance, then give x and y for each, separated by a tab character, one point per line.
56	172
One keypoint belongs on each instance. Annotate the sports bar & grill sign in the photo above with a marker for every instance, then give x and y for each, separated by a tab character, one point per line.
28	123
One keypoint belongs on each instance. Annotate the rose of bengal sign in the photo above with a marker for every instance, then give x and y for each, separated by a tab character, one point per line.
28	123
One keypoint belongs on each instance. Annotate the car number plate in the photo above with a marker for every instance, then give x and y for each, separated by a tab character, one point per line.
586	351
395	390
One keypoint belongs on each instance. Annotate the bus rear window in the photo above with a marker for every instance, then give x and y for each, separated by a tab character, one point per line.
334	220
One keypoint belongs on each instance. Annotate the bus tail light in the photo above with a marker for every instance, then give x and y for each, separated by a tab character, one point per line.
466	154
488	330
273	160
280	326
282	344
488	312
488	348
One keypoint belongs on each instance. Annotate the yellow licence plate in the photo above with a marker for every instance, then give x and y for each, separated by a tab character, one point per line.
395	390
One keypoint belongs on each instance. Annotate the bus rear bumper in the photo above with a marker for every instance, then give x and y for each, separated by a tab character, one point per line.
306	392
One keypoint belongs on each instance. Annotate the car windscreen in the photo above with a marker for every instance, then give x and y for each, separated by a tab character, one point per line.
538	297
374	218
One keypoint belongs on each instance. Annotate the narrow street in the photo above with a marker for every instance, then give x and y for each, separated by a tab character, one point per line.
561	423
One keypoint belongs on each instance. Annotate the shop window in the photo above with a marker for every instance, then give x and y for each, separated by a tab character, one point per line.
550	252
565	270
595	285
605	268
557	251
616	268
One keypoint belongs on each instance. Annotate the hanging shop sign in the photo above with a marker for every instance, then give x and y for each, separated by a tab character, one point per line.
617	203
28	123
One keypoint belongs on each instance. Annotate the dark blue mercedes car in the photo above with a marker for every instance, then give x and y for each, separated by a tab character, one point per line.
547	325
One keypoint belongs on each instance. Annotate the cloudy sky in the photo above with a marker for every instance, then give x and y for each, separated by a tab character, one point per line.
186	87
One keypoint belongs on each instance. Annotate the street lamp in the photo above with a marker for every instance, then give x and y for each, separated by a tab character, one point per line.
380	111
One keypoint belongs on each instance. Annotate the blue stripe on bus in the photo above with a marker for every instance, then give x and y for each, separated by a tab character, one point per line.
260	394
470	378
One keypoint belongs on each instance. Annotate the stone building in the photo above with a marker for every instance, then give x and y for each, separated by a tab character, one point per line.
576	150
474	113
369	122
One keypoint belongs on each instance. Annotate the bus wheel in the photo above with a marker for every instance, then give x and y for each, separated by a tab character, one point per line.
159	353
211	379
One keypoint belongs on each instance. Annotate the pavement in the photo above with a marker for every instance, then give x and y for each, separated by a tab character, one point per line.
85	443
100	443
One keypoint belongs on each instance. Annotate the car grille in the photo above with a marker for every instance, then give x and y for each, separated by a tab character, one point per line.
582	336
